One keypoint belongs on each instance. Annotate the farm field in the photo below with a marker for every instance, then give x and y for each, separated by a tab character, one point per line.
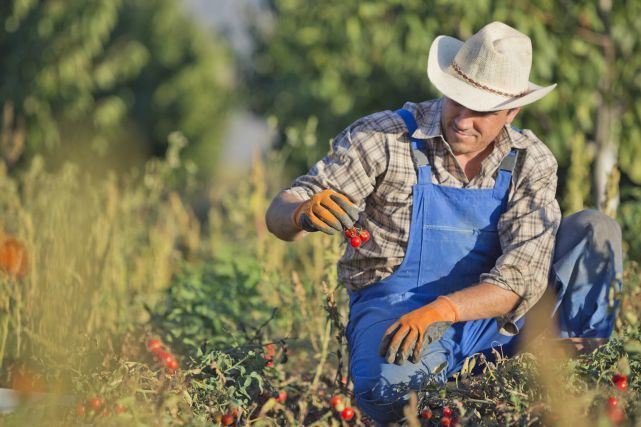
142	141
133	313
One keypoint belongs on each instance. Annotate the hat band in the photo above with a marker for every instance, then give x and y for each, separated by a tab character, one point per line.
481	86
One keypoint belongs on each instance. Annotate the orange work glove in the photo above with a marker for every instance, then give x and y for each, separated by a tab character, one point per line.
407	336
327	211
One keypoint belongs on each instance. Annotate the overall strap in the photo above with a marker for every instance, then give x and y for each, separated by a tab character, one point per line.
504	176
418	148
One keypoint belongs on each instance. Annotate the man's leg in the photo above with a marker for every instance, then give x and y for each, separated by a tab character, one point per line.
380	388
587	269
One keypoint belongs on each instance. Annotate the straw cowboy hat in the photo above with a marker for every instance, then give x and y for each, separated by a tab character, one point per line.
489	72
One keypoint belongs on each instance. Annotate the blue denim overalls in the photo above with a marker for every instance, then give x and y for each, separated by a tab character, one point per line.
453	239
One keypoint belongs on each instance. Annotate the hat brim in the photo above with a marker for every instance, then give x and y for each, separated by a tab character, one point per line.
442	52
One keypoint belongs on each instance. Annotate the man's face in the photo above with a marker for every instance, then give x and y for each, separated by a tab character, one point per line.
468	131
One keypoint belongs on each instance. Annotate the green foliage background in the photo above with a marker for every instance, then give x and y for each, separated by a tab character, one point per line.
110	79
323	65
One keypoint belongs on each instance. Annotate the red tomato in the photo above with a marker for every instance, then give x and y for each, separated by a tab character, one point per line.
446	421
355	242
618	377
347	413
171	364
335	400
104	413
364	235
616	415
165	356
95	404
270	351
612	402
622	385
269	363
119	409
13	257
282	397
426	414
447	411
154	346
227	420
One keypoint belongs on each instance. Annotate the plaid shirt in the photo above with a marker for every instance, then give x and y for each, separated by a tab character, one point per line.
371	163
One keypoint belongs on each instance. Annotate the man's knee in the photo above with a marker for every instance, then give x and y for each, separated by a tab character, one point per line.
599	224
604	232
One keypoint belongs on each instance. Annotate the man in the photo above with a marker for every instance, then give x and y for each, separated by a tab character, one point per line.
462	215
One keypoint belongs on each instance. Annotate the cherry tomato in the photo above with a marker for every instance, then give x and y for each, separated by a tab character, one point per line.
119	409
447	412
426	414
227	420
171	364
165	356
81	410
622	385
616	415
95	404
355	241
446	421
612	402
282	397
104	413
154	346
364	235
347	413
618	377
335	400
269	363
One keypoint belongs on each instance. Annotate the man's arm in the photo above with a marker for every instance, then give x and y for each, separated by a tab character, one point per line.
406	337
279	217
484	301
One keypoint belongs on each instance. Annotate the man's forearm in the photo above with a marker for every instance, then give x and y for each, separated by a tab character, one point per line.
484	301
279	217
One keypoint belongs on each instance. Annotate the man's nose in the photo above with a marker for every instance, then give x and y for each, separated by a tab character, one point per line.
463	118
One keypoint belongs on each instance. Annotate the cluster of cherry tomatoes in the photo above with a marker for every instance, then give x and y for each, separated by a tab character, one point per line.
338	404
357	236
614	410
97	406
156	347
448	418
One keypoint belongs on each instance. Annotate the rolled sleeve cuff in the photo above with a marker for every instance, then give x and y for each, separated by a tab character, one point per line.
301	192
507	323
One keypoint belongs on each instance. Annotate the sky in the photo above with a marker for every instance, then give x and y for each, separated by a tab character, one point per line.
247	131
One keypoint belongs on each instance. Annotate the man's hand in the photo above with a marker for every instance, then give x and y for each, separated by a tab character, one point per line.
407	336
327	211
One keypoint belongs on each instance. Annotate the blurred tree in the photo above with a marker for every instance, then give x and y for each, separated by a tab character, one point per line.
110	75
329	63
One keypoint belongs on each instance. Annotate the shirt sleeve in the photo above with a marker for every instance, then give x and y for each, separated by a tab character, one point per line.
358	156
527	232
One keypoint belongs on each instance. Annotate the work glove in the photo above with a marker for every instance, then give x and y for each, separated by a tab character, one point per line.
327	211
406	337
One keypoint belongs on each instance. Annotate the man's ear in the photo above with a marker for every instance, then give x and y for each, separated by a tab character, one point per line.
511	114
